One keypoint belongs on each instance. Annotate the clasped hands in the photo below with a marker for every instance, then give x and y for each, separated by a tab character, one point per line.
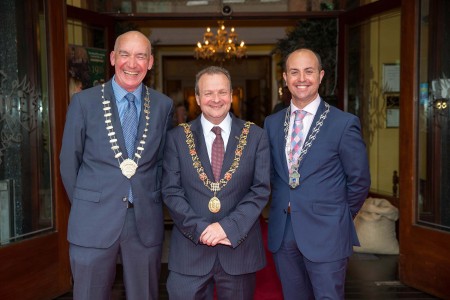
214	235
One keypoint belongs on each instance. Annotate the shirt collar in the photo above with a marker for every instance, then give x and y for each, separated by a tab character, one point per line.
311	108
225	125
120	92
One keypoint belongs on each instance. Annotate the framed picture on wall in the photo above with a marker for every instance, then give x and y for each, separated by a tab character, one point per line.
392	109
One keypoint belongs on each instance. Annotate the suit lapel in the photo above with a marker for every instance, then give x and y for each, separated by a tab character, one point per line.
319	112
281	140
109	95
200	146
142	121
233	139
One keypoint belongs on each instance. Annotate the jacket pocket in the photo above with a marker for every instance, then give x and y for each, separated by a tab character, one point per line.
328	209
86	195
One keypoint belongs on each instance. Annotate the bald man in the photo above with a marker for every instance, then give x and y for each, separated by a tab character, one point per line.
111	166
320	179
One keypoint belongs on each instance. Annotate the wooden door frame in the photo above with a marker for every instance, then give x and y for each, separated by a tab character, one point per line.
423	261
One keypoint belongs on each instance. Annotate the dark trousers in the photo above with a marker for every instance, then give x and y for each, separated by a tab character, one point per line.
94	269
228	287
303	279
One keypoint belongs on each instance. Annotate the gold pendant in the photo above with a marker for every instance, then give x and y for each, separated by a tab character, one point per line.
214	205
128	167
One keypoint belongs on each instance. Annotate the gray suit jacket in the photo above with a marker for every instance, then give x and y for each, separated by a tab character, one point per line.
92	177
242	199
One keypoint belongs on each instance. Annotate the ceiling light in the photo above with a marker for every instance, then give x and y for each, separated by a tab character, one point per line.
220	47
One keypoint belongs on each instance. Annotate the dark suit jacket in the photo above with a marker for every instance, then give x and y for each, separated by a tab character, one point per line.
243	199
334	183
92	177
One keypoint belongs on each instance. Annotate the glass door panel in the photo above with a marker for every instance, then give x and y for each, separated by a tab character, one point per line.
373	93
433	205
25	148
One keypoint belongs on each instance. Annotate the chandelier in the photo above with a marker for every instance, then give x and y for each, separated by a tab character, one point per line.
220	47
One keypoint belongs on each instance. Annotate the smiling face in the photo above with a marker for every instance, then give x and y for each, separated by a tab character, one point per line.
131	59
303	76
214	96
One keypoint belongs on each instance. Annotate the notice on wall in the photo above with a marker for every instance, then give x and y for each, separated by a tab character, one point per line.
391	78
87	65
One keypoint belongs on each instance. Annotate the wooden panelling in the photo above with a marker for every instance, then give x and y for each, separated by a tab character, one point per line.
28	269
59	95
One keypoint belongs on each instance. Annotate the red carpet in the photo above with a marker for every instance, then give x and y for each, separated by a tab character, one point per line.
268	286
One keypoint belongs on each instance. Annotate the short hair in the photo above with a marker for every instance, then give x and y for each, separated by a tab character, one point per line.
211	70
319	60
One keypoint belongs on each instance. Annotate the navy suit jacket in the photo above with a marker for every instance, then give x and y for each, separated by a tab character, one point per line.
93	180
334	183
242	199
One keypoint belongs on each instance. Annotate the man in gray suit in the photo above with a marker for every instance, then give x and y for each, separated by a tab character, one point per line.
215	204
111	166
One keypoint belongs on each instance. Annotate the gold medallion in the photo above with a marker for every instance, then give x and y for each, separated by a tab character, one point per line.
128	167
214	205
214	202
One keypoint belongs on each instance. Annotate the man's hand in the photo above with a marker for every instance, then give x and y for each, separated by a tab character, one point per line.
213	235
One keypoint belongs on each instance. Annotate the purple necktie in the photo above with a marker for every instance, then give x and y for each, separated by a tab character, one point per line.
217	153
296	136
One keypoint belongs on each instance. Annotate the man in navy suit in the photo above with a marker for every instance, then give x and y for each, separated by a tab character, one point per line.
111	167
216	239
316	190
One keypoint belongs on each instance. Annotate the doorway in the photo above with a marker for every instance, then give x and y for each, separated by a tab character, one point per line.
250	81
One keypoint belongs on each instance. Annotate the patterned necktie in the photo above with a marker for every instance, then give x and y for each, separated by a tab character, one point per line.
129	124
217	153
296	136
129	127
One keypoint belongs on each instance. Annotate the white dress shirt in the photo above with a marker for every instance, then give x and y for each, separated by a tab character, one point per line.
311	110
225	125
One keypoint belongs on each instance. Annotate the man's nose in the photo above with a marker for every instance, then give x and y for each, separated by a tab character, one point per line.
132	62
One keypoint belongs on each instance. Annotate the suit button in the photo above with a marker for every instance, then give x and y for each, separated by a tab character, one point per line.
124	199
